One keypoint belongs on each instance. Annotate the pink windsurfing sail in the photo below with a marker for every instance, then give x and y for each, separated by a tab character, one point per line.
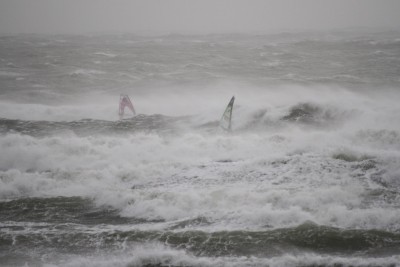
124	101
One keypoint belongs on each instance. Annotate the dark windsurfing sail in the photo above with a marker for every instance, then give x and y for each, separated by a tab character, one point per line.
124	101
226	120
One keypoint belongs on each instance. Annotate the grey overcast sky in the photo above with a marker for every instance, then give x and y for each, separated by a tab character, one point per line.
193	16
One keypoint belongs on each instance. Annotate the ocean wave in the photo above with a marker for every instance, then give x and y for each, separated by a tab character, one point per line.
229	180
260	244
254	120
110	55
86	72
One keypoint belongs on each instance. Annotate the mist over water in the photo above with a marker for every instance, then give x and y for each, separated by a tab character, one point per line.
309	175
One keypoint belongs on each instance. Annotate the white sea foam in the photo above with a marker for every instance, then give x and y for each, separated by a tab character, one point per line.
73	112
158	254
247	180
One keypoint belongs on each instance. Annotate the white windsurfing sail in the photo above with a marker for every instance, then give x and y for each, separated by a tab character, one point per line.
226	120
124	101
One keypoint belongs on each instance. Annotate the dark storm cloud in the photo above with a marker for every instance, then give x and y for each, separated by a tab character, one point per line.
190	16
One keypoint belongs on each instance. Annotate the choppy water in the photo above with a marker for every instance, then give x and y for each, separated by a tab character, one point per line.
310	175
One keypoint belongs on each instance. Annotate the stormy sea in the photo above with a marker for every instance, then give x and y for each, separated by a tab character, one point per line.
308	176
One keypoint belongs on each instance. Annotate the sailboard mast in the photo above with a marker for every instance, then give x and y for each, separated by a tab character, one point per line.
125	101
226	120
